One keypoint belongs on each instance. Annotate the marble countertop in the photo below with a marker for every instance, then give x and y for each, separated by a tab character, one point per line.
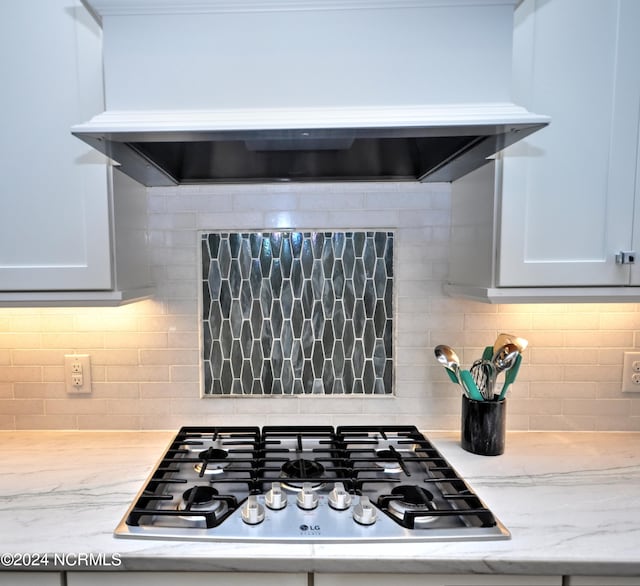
570	500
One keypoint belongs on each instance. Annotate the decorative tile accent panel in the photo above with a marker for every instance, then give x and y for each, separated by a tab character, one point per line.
289	313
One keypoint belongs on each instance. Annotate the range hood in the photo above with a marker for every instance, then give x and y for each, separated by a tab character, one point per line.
215	91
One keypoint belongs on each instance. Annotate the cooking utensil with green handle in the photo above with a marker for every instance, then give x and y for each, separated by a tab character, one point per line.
452	375
447	356
470	386
510	376
503	339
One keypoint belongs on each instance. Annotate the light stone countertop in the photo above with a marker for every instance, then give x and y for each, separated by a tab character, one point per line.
570	500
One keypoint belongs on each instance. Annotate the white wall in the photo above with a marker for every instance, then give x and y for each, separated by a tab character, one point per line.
145	355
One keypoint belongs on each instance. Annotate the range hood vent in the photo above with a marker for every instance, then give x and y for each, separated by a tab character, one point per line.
257	121
425	144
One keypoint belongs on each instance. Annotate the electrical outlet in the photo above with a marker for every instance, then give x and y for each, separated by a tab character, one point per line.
77	373
631	373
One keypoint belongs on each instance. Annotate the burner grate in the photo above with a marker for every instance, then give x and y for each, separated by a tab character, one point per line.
210	478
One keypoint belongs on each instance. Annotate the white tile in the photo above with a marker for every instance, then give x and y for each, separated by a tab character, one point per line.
19	340
297	220
137	373
76	404
230	220
362	219
175	221
330	201
595	408
21	406
49	421
161	390
49	390
243	202
20	374
7	390
41	357
199	202
136	340
185	373
113	421
67	341
166	356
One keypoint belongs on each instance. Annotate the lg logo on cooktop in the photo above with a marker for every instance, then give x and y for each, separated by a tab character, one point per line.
305	528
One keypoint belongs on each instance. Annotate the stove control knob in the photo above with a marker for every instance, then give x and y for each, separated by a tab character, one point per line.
253	511
307	499
275	499
339	498
364	512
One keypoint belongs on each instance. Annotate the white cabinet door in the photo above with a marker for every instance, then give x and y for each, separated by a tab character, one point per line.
184	579
54	202
568	190
434	580
635	269
30	578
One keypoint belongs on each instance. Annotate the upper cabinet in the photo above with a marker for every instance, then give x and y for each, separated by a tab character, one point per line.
549	219
72	229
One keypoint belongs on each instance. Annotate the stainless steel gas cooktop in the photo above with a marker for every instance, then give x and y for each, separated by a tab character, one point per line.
306	484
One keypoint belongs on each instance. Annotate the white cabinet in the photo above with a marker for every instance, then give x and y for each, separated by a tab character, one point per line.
62	208
30	578
184	579
548	219
434	580
604	581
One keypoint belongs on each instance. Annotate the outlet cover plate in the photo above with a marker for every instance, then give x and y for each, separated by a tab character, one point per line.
71	370
630	368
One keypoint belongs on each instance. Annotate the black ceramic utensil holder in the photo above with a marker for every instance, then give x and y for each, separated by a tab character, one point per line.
483	426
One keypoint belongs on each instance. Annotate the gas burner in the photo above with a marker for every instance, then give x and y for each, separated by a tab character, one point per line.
201	495
389	461
201	498
211	462
412	499
302	470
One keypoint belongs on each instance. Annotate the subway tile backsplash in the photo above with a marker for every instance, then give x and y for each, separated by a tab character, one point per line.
147	357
